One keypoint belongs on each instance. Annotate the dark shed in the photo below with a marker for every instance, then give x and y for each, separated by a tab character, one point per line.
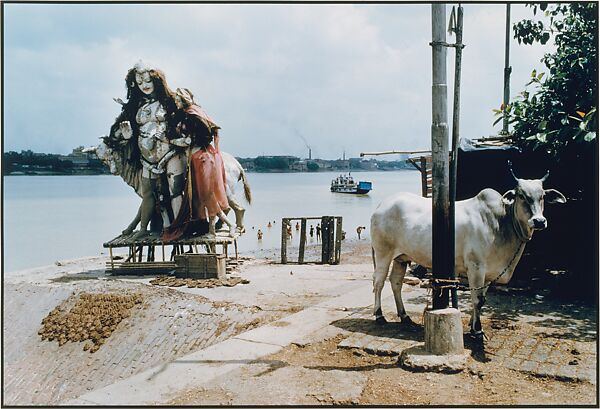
570	242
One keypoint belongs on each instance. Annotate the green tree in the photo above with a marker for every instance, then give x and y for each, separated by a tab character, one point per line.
559	112
276	162
312	166
555	123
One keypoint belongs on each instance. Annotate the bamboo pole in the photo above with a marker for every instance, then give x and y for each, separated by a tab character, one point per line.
455	138
507	71
439	153
392	153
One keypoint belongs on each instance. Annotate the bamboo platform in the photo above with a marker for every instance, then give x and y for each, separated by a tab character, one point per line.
134	263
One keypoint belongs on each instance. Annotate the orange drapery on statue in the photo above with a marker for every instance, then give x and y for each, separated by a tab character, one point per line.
205	194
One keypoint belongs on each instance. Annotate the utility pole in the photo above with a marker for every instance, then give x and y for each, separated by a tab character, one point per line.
439	156
507	71
458	30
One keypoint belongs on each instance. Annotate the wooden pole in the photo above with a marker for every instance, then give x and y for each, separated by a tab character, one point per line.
424	176
327	241
507	71
284	241
338	240
112	260
455	138
302	241
392	153
439	153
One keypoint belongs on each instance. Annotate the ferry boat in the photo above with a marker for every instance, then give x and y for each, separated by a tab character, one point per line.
346	184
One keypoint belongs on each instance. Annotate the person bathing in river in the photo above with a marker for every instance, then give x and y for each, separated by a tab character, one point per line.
205	195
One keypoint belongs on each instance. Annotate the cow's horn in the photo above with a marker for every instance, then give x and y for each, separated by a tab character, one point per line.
511	171
545	176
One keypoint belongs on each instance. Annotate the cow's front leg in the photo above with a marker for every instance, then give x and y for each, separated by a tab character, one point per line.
382	265
476	282
396	280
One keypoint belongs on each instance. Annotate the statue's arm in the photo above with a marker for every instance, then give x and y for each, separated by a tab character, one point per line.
182	142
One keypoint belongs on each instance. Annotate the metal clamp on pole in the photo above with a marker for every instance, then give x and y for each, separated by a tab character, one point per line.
445	44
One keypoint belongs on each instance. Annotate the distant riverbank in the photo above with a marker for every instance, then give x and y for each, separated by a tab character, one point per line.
93	173
85	162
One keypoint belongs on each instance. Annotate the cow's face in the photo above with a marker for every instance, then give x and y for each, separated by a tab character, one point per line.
107	156
528	199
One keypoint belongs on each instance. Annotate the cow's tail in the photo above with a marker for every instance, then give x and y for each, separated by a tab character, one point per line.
247	191
373	257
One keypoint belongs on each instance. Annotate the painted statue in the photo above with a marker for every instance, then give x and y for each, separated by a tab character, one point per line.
150	144
206	198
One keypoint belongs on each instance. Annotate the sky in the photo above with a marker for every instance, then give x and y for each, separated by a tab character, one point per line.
277	78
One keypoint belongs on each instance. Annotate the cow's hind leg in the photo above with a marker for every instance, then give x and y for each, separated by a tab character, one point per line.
476	283
396	280
382	265
239	213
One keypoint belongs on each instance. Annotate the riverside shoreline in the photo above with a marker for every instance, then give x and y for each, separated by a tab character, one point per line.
299	334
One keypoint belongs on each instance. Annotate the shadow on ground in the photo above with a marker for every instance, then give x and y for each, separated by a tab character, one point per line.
394	330
569	320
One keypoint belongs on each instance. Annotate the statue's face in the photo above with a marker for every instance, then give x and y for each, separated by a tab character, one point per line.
144	83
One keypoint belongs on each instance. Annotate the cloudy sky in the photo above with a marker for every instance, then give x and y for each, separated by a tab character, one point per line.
274	77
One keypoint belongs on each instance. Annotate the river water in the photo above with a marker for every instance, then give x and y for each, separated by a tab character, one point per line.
52	218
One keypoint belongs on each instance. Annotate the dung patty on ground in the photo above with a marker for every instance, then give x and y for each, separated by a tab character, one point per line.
93	317
198	283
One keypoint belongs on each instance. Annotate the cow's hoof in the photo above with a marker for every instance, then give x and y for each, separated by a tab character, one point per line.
477	336
407	323
380	320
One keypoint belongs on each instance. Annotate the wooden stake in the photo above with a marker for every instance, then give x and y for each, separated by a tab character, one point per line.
338	240
112	261
284	223
302	241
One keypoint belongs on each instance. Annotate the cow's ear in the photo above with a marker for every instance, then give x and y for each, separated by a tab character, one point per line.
509	197
554	196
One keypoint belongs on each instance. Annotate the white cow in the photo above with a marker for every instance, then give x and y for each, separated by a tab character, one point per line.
234	172
491	232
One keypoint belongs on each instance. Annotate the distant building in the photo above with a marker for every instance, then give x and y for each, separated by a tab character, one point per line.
79	158
300	166
323	164
368	165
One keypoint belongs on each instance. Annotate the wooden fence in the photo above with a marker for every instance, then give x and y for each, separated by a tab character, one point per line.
331	238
